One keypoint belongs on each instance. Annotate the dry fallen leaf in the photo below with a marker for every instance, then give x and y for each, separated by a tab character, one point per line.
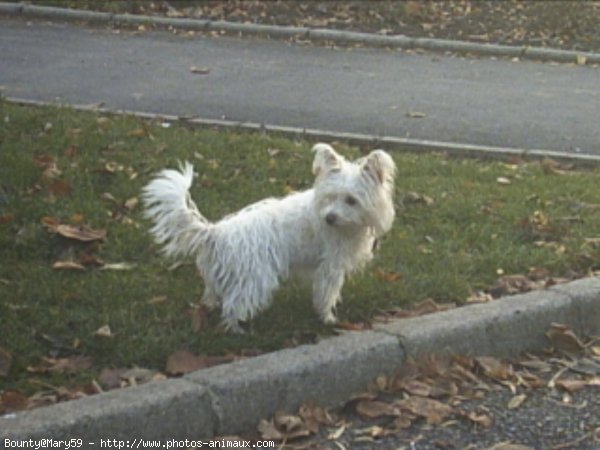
157	300
416	198
11	401
67	265
570	384
516	401
7	218
104	332
269	431
375	408
71	364
81	233
131	203
563	338
118	266
138	132
59	188
199	316
183	361
480	419
494	368
433	411
293	426
314	416
199	70
509	446
389	276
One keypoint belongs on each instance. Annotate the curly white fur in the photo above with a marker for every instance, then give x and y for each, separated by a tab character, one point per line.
326	232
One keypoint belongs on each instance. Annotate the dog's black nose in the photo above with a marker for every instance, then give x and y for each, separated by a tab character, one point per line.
330	219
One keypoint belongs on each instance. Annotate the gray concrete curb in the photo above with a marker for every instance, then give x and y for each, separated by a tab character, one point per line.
373	141
316	34
232	398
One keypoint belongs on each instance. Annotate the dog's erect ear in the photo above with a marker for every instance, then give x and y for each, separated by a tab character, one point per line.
380	167
325	159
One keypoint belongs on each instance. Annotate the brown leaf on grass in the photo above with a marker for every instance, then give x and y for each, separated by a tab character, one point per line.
433	411
111	378
5	361
550	166
71	364
157	300
103	122
104	332
72	150
183	361
138	132
81	233
479	297
352	326
67	265
131	204
389	276
426	306
121	377
372	409
199	316
59	188
7	218
564	339
11	401
44	160
412	197
513	284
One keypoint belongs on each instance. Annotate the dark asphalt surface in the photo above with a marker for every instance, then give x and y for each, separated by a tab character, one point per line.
543	422
528	105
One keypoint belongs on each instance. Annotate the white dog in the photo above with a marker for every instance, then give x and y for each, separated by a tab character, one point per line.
325	232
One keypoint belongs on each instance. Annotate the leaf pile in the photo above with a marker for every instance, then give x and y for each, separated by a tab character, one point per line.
440	390
543	24
178	363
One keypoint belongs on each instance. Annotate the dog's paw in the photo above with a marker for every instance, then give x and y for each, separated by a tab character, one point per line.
236	327
329	318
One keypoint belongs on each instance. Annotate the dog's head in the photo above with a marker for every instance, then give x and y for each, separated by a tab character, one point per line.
354	194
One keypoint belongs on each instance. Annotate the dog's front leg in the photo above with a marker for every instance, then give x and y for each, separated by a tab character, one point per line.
327	284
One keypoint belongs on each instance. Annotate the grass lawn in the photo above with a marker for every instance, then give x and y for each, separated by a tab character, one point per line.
460	224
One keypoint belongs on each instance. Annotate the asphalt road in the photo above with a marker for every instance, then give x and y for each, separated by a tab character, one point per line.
528	105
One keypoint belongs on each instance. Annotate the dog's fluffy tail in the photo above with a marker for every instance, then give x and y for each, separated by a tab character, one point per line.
178	225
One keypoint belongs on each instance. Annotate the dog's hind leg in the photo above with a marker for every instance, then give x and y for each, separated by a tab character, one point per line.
209	298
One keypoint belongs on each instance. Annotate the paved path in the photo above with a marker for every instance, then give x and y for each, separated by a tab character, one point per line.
529	105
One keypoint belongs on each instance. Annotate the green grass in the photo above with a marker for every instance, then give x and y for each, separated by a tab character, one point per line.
444	251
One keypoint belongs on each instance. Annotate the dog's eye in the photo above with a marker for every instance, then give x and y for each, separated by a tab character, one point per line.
351	200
